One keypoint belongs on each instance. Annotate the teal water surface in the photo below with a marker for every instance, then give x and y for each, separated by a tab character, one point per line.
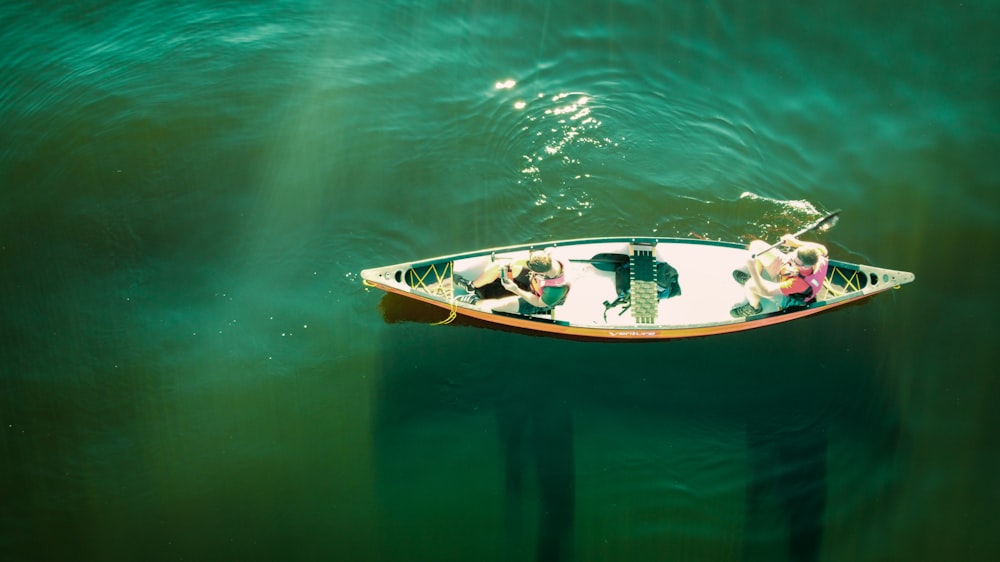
190	367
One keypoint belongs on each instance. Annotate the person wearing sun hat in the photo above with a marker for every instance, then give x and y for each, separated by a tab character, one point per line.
535	284
786	279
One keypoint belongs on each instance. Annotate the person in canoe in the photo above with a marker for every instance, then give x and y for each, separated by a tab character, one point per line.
529	286
788	279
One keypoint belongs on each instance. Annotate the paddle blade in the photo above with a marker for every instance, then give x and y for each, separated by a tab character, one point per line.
607	262
827	222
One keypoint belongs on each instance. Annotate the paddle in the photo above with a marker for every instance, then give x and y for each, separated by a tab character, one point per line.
826	222
605	262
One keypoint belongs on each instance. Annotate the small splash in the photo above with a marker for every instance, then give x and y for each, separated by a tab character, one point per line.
795	212
506	85
794	205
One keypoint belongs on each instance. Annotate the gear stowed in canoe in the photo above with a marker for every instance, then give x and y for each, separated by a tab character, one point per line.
622	288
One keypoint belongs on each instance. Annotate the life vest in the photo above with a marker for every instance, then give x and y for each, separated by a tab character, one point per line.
524	281
813	281
541	282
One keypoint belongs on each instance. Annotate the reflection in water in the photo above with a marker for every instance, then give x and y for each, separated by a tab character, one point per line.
786	490
541	438
439	420
451	398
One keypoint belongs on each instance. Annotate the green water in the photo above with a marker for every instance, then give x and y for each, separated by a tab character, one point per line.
190	367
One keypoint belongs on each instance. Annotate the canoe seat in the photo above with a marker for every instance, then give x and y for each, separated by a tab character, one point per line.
642	275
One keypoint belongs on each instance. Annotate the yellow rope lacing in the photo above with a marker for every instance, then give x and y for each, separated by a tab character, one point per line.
440	288
453	312
850	283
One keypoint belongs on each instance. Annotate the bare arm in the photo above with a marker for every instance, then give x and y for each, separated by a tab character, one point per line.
791	241
528	296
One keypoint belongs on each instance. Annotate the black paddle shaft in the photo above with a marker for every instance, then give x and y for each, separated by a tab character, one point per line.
827	221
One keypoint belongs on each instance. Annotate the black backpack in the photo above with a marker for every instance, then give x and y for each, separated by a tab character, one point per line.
667	284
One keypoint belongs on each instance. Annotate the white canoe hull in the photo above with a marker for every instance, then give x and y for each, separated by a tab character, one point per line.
704	272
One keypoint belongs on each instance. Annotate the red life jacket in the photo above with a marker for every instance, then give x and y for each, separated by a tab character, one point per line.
813	281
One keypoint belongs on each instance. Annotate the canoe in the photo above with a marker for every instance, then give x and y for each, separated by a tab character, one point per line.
645	288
